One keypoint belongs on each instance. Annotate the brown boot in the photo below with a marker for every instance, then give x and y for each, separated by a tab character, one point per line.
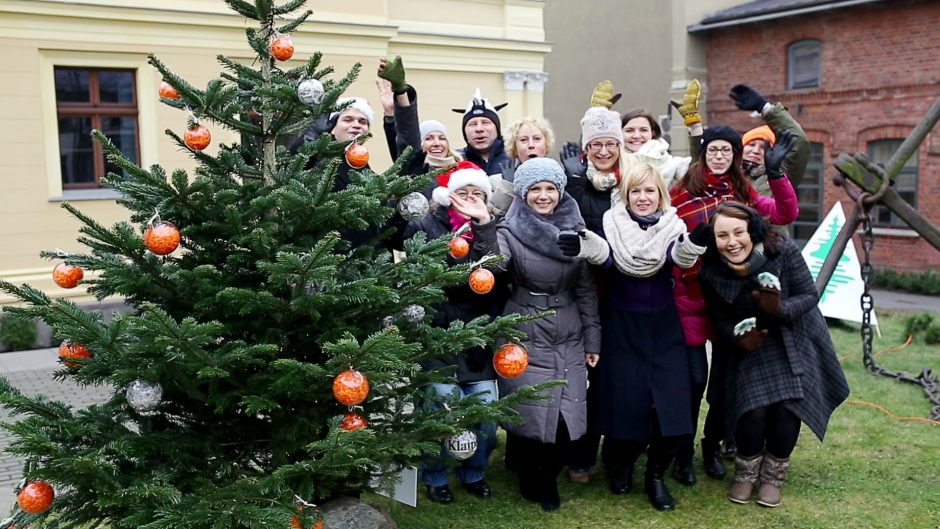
746	471
773	472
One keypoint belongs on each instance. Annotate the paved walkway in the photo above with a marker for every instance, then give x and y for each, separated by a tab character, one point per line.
32	372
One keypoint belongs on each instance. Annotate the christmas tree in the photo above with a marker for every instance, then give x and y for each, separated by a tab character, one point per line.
271	358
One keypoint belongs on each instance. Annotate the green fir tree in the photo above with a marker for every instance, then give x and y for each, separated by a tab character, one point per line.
247	325
839	276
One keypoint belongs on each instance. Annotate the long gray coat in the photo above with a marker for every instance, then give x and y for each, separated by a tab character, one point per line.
556	344
796	363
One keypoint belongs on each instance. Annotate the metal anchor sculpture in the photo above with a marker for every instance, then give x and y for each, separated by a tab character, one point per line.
868	184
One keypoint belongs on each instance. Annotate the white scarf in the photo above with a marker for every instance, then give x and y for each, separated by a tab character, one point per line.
638	252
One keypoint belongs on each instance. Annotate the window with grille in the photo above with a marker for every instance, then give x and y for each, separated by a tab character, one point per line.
804	64
86	99
905	183
810	195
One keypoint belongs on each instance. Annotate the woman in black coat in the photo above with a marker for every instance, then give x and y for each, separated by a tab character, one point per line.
784	371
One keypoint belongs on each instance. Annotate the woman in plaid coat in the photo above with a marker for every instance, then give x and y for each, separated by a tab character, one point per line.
783	370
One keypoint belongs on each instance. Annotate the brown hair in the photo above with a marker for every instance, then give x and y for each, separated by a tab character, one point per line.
694	179
640	113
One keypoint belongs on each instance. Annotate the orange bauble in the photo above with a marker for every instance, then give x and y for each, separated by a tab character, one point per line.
197	138
162	238
66	275
35	497
353	421
459	247
350	387
482	281
511	360
167	91
70	350
357	156
282	48
295	522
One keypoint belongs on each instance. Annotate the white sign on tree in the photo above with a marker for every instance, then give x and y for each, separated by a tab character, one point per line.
840	298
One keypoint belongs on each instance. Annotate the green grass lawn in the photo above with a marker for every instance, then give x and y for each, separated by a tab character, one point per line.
872	471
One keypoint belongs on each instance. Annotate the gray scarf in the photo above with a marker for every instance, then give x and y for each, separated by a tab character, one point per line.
640	252
540	232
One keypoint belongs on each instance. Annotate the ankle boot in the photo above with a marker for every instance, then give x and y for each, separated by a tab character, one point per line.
746	471
682	469
548	489
773	472
621	479
711	459
657	491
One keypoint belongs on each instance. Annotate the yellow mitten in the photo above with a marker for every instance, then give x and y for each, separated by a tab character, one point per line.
688	109
603	95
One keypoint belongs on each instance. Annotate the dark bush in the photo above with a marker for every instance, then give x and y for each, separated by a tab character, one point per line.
18	334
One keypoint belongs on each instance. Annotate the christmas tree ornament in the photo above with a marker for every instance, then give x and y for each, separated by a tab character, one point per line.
357	156
144	396
72	350
353	421
459	247
413	313
350	387
413	206
162	237
482	281
311	91
388	321
35	497
282	47
167	91
197	137
66	275
511	360
461	446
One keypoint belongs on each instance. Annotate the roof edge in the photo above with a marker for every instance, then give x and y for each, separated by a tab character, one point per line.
702	27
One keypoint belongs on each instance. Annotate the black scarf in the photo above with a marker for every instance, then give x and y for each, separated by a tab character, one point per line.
752	264
540	232
645	221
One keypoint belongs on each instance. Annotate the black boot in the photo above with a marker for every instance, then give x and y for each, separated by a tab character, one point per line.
621	479
656	488
711	459
682	469
548	487
528	484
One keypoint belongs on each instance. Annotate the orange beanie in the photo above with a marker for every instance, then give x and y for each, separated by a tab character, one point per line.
760	133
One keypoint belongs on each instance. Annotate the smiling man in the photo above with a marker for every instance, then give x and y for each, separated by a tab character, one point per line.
481	130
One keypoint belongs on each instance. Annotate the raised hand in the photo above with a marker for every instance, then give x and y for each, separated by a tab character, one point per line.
775	156
746	98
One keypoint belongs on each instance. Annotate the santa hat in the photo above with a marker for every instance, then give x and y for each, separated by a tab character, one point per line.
355	103
480	107
463	174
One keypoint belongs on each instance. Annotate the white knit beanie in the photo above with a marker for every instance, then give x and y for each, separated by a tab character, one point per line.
463	174
600	122
358	103
432	125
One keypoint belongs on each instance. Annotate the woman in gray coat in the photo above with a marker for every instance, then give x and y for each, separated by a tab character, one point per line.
547	273
785	372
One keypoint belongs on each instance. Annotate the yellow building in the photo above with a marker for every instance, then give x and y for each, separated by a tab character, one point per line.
68	66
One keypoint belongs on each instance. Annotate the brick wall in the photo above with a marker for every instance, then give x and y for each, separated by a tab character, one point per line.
880	73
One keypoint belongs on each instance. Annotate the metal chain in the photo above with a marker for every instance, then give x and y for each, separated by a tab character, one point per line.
925	379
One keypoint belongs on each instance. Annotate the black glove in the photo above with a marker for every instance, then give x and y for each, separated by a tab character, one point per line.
751	340
701	235
768	299
570	157
746	98
774	156
570	243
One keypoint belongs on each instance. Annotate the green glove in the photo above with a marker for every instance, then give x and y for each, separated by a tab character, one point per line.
394	73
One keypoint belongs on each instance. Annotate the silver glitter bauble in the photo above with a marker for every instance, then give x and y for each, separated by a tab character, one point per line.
413	206
413	313
144	396
461	446
310	91
388	321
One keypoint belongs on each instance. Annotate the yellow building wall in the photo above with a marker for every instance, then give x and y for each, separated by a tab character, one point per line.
449	47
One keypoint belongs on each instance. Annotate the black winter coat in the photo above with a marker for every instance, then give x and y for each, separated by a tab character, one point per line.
796	363
592	202
498	157
472	365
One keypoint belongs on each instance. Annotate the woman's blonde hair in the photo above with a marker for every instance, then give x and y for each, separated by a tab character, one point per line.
540	123
639	173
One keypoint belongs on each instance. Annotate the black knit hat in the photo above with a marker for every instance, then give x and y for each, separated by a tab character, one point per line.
480	107
722	132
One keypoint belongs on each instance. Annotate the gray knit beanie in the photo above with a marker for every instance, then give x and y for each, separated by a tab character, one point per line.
538	170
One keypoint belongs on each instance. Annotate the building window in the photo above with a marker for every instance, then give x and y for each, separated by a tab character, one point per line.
905	183
86	99
803	64
810	195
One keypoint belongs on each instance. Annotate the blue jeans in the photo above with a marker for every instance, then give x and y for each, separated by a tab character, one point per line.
434	471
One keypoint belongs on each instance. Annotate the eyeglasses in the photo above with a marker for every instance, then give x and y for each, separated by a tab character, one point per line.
726	151
597	147
476	194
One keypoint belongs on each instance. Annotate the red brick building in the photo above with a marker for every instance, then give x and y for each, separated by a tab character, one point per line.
859	76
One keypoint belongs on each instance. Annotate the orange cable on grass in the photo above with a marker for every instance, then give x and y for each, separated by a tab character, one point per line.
893	416
910	338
